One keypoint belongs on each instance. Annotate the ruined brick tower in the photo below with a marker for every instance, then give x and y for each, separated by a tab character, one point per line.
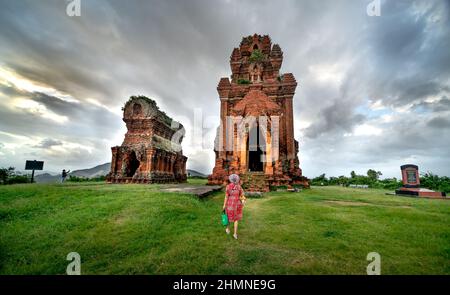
151	151
256	135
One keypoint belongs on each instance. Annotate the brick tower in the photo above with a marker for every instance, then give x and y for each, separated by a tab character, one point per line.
256	135
151	151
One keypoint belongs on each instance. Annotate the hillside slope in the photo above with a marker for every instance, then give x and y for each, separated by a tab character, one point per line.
137	229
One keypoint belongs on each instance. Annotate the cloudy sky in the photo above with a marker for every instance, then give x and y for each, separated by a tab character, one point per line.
374	91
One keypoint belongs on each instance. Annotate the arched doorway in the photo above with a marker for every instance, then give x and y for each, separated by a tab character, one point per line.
133	164
255	164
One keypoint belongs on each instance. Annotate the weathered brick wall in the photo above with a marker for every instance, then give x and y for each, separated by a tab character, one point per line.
258	89
148	154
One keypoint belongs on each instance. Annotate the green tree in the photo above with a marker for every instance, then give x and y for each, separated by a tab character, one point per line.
320	180
373	175
430	180
5	174
10	176
343	180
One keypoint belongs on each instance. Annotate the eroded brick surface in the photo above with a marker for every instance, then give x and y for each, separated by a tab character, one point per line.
151	151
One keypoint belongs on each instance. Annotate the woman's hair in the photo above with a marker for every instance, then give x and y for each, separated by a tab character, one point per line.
234	178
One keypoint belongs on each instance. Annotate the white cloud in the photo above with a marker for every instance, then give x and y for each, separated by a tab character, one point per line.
39	109
9	77
377	105
367	130
328	73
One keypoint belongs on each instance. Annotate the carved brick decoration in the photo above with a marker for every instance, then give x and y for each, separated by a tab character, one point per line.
151	151
257	100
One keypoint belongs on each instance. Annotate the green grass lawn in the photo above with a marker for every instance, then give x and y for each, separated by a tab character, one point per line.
136	229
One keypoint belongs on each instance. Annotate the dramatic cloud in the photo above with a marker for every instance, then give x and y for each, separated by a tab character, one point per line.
373	91
48	143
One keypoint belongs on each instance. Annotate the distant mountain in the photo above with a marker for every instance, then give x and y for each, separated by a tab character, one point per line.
193	173
100	170
46	178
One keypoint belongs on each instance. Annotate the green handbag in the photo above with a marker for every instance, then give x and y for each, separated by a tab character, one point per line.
224	218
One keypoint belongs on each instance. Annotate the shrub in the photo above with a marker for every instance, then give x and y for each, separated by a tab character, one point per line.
243	81
277	187
10	176
197	177
98	178
298	186
5	173
256	56
371	180
427	180
390	183
434	182
320	180
73	178
17	178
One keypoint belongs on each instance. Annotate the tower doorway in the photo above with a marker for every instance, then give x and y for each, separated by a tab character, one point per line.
133	164
255	163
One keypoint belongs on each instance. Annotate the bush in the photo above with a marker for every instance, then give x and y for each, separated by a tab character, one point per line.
73	178
197	177
427	180
10	176
320	180
298	186
434	182
277	187
372	180
256	56
243	81
99	178
445	187
5	173
390	183
17	178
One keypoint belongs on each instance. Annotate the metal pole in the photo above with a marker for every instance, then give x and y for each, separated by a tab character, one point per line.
32	176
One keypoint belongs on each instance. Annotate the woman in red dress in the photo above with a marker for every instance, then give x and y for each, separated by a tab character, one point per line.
233	203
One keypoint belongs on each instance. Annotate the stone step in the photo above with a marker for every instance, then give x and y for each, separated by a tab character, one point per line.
255	182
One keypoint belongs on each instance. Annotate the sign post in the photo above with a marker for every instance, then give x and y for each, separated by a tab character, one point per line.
34	165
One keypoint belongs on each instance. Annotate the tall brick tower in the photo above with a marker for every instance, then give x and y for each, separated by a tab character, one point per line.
256	135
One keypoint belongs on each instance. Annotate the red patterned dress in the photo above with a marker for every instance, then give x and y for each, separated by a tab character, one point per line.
234	204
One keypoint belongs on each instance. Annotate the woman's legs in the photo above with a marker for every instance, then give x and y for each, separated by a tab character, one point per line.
235	227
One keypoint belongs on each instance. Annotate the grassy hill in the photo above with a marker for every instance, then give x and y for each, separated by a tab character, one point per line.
136	229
